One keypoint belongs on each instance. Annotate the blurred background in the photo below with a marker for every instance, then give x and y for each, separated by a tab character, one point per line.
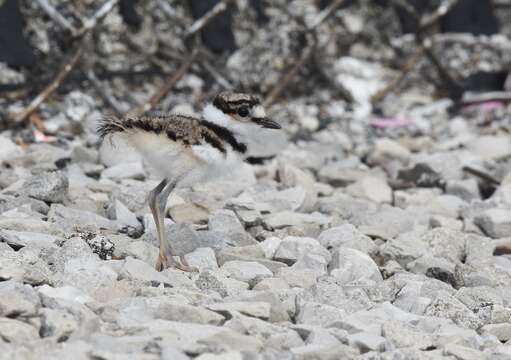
344	58
375	225
432	75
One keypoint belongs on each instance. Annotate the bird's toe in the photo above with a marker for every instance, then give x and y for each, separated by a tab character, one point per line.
163	262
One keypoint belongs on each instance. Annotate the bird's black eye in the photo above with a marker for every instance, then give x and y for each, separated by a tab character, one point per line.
243	111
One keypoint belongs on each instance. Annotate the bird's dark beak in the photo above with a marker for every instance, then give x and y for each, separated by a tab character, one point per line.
267	123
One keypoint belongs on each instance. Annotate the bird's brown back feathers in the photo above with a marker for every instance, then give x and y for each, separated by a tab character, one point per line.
179	128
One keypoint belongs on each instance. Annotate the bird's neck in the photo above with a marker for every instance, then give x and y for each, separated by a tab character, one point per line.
226	136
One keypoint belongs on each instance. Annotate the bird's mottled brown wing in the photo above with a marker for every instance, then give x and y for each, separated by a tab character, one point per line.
179	128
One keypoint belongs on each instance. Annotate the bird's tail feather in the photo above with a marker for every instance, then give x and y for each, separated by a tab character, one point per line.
110	125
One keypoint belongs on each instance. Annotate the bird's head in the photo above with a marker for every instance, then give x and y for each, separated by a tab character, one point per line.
238	112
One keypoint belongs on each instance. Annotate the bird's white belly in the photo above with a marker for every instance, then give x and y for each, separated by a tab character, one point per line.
167	158
174	161
214	164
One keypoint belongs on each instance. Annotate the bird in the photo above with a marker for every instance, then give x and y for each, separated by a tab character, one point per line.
185	150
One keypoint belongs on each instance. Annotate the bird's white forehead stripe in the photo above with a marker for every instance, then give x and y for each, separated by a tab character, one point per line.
258	112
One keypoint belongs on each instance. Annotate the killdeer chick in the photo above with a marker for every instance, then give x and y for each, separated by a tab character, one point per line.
186	150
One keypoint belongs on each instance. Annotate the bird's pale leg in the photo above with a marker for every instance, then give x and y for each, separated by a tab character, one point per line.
165	257
163	197
158	216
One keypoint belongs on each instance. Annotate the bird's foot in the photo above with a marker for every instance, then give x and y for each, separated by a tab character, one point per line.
186	266
164	262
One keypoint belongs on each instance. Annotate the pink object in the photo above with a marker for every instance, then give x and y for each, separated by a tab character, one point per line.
389	123
485	106
40	137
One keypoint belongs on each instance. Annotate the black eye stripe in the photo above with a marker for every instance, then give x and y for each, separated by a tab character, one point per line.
232	110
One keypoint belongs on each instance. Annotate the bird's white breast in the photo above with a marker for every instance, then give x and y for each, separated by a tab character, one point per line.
169	159
173	160
216	163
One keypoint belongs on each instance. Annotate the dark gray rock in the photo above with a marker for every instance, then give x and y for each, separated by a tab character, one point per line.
184	239
226	222
434	267
51	187
127	220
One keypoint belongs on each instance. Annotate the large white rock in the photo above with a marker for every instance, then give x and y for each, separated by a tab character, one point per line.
373	188
491	147
353	266
247	271
8	149
349	236
293	248
495	222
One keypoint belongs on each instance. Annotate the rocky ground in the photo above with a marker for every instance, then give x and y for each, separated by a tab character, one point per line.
352	244
359	238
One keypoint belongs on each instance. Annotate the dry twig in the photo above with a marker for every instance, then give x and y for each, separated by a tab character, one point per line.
309	30
454	89
166	8
87	24
169	84
410	64
174	78
425	45
325	14
206	18
474	98
433	18
284	82
109	99
48	90
98	16
220	79
56	16
482	175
